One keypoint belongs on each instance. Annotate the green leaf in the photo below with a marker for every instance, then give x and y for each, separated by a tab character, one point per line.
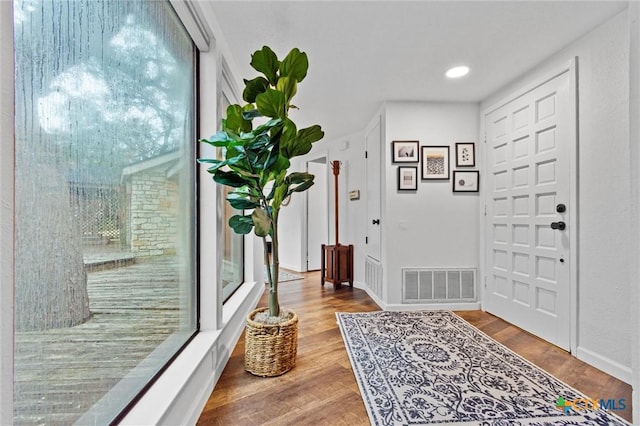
264	128
216	164
272	157
266	62
311	134
241	224
230	178
261	221
299	182
279	195
301	144
251	114
235	121
300	188
271	104
241	201
288	86
298	177
253	88
281	164
295	65
221	138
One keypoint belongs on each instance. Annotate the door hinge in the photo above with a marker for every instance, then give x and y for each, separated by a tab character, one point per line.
366	240
485	209
485	281
366	154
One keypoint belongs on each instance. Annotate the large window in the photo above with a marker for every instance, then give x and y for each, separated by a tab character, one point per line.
105	292
233	244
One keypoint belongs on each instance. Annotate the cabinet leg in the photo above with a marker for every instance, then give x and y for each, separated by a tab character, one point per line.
322	265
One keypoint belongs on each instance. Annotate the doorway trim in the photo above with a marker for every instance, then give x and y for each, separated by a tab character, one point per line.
533	81
321	157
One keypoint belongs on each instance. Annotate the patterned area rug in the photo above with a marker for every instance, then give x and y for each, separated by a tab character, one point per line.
283	276
431	367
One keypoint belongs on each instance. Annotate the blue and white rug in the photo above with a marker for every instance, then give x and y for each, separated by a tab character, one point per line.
432	367
283	276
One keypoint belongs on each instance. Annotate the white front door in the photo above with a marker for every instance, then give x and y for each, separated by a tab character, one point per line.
529	217
317	213
373	166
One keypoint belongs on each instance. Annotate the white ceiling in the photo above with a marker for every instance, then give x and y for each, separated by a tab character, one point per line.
362	53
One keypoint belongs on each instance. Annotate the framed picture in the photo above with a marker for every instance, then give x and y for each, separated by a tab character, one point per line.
435	162
465	154
466	181
405	151
407	178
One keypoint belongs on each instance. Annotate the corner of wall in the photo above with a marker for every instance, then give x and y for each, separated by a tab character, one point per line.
634	138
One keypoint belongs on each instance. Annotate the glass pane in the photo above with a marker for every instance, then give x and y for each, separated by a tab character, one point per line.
233	244
104	289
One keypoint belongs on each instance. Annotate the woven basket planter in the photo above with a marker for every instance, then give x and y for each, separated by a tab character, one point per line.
270	349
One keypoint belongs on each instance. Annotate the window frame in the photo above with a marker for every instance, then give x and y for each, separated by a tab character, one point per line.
7	219
228	90
7	208
194	238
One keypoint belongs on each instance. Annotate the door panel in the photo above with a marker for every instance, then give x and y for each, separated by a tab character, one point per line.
373	146
317	213
528	148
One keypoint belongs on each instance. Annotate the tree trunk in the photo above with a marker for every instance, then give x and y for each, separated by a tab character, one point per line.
51	282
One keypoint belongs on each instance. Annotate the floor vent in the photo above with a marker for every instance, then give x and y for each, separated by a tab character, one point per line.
437	285
373	276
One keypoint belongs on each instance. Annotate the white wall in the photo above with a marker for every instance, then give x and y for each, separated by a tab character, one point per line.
432	227
634	159
349	150
414	234
291	235
604	240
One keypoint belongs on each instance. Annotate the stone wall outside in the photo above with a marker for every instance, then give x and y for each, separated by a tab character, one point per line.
154	213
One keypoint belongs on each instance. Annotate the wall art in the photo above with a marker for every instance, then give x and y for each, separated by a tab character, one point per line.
435	162
405	151
407	178
466	181
465	154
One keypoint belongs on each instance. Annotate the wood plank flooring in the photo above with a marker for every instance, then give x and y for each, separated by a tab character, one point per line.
321	389
61	373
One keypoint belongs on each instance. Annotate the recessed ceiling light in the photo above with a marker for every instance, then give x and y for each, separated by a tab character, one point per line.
457	72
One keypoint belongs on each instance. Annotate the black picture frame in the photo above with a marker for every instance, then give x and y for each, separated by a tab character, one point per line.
407	178
405	151
466	181
435	162
465	154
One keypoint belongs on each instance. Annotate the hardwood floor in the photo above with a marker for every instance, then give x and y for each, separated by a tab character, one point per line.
321	388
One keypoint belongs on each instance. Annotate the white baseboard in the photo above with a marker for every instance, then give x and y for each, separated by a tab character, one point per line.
605	364
466	306
294	268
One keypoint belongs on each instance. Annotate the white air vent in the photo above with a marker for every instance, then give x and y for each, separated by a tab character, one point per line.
436	285
373	276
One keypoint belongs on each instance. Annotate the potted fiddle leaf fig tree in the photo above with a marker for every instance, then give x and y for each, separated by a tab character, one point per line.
258	140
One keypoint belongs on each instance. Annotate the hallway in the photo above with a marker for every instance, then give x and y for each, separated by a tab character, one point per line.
321	388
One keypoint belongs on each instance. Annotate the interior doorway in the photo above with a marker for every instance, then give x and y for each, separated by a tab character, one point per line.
317	212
